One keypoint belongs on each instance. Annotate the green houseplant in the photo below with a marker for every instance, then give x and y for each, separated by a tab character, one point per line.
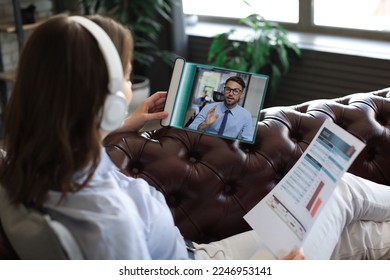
267	50
145	19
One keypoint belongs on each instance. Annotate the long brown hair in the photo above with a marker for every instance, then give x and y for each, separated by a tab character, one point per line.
52	120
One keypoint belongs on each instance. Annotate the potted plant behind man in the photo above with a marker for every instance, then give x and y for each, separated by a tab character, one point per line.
267	50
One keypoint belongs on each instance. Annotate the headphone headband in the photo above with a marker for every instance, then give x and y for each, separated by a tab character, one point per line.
110	54
115	106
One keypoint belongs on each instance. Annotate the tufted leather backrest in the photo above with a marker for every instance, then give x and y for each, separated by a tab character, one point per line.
211	183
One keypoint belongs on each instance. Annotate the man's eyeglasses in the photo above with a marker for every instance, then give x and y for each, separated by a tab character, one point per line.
234	90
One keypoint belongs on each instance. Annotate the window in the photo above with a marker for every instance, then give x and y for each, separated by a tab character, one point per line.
270	9
368	19
359	14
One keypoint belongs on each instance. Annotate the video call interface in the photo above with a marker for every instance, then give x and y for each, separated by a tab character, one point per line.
208	88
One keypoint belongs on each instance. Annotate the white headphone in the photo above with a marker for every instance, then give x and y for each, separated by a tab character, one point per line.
115	106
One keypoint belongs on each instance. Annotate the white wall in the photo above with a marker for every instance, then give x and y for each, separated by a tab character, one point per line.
8	41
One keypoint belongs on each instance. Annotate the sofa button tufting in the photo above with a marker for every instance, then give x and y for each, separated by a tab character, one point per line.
136	167
228	189
296	137
381	119
371	154
192	159
173	200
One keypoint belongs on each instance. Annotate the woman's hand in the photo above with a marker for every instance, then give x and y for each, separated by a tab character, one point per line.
295	255
150	109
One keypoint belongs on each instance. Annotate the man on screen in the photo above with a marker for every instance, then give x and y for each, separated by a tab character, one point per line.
227	118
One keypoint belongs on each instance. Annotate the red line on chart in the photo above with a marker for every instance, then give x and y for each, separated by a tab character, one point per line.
315	195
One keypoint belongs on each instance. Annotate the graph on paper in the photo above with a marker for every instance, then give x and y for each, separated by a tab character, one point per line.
295	203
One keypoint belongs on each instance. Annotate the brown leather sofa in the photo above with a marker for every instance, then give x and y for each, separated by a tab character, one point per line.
211	183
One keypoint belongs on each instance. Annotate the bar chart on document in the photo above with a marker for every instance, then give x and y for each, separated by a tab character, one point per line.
295	202
311	181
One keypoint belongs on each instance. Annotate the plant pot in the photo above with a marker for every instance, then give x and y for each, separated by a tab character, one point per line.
141	91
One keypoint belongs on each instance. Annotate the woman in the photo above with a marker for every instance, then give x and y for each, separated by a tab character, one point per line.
55	161
54	151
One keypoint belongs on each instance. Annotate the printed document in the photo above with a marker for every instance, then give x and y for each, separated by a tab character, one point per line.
284	217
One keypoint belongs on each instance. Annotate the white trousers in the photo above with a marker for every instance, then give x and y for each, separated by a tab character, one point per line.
354	224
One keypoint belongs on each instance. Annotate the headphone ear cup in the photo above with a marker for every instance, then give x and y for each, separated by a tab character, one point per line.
114	111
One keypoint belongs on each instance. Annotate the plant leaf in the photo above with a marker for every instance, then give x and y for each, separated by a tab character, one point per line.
265	49
283	57
219	44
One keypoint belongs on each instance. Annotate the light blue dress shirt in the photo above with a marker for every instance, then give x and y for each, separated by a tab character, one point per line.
239	123
118	217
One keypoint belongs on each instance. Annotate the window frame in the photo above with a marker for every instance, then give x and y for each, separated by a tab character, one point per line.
306	25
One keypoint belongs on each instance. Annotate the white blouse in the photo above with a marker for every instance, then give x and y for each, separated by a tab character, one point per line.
118	217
